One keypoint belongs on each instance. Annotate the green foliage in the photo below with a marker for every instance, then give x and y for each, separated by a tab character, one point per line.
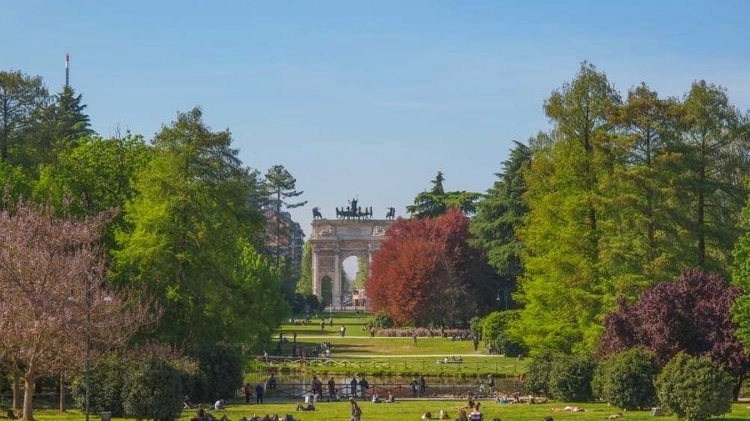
220	372
304	285
326	290
495	333
626	380
563	291
20	97
382	321
536	378
186	239
106	380
500	215
154	391
694	388
437	201
570	377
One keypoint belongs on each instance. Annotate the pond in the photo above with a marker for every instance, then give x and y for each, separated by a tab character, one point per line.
296	386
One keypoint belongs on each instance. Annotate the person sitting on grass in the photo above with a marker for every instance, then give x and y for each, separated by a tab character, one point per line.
476	414
390	398
305	406
462	415
375	397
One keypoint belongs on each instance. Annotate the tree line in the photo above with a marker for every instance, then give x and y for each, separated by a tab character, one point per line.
119	240
620	194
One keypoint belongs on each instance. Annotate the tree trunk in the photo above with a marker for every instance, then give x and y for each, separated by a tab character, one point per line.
62	392
28	393
16	391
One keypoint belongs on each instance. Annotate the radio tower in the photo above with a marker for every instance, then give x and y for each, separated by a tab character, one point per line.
67	70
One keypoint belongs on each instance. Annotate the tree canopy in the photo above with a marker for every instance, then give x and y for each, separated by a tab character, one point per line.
426	272
691	314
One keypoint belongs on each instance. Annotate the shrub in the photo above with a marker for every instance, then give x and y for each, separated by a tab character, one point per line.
494	332
626	380
153	391
105	380
694	388
383	321
220	372
537	375
570	377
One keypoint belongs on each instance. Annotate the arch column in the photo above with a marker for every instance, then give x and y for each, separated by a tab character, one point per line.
316	287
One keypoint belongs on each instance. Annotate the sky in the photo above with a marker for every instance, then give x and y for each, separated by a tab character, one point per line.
367	99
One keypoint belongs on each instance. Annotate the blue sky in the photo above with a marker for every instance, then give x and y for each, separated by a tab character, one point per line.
367	99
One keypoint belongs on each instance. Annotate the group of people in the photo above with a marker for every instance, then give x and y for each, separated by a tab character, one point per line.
418	387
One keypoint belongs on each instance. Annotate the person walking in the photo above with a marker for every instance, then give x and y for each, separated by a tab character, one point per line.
259	389
332	389
356	410
248	392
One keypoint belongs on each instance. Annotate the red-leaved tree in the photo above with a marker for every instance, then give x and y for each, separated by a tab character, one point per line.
426	273
690	314
55	308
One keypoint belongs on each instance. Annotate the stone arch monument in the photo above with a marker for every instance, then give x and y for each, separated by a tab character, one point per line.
354	233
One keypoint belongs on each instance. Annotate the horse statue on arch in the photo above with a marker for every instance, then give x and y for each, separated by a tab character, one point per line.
316	213
391	213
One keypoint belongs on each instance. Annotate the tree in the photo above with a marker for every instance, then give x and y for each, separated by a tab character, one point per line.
643	242
188	238
694	388
20	96
363	270
437	201
563	291
715	168
56	127
55	304
500	214
690	314
304	285
426	273
281	186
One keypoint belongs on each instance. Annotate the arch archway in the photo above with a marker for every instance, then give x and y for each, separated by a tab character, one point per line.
333	241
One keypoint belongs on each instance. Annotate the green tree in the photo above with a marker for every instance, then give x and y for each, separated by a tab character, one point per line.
20	96
437	201
280	186
56	127
304	285
642	244
187	228
500	214
714	171
563	292
363	269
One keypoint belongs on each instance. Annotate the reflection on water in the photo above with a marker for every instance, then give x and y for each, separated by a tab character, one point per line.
297	385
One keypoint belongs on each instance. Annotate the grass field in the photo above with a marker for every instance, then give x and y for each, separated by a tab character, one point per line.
357	352
411	410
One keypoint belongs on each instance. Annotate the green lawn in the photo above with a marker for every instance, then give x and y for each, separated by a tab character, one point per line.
411	410
357	352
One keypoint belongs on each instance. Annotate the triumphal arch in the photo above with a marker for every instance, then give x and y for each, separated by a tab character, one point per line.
354	232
